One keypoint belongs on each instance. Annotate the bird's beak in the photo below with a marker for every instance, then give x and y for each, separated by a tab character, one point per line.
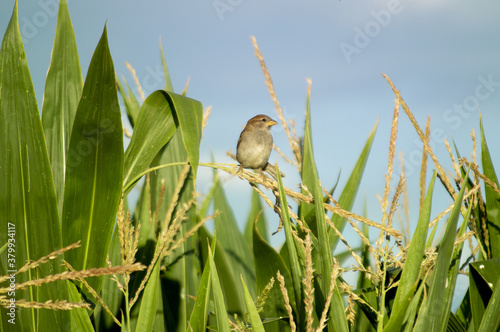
272	123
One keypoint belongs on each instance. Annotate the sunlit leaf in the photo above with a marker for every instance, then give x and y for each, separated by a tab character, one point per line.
29	219
94	166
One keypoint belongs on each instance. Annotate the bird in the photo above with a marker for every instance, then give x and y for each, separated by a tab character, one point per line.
255	144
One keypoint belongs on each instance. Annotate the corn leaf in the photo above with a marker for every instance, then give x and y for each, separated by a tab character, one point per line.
257	217
94	166
483	282
492	197
29	220
232	240
491	318
149	301
198	320
255	320
411	268
132	106
292	252
435	307
154	127
229	284
168	82
323	255
267	264
63	89
218	297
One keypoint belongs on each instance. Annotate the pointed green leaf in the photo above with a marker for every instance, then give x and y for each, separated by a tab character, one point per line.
198	320
411	268
255	320
453	273
130	102
80	319
168	83
413	308
149	301
227	275
190	115
110	294
483	281
256	212
94	166
29	220
154	128
323	254
218	297
492	197
182	267
161	113
267	264
434	308
231	239
491	319
63	89
296	270
398	315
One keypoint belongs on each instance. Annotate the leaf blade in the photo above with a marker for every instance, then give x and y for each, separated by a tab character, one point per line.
94	166
63	88
28	198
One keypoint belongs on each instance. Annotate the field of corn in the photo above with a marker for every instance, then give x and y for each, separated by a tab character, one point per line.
75	256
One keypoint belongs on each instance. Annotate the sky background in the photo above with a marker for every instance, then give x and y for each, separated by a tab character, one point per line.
442	55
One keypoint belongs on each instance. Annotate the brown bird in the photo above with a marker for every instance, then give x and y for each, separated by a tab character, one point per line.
255	144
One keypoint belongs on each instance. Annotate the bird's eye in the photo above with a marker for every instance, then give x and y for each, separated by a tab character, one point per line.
264	120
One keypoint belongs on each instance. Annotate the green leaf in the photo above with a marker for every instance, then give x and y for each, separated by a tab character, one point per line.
323	255
464	314
190	115
63	88
256	217
292	251
396	321
491	318
198	320
218	297
29	219
362	322
161	113
231	239
173	152
94	166
156	124
227	275
413	308
492	197
411	268
267	264
149	301
80	319
182	267
168	82
483	282
110	294
435	307
252	310
132	106
453	272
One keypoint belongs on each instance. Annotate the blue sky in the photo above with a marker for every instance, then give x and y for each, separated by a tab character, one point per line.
442	55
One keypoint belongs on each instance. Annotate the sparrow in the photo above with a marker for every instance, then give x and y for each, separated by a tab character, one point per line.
255	144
